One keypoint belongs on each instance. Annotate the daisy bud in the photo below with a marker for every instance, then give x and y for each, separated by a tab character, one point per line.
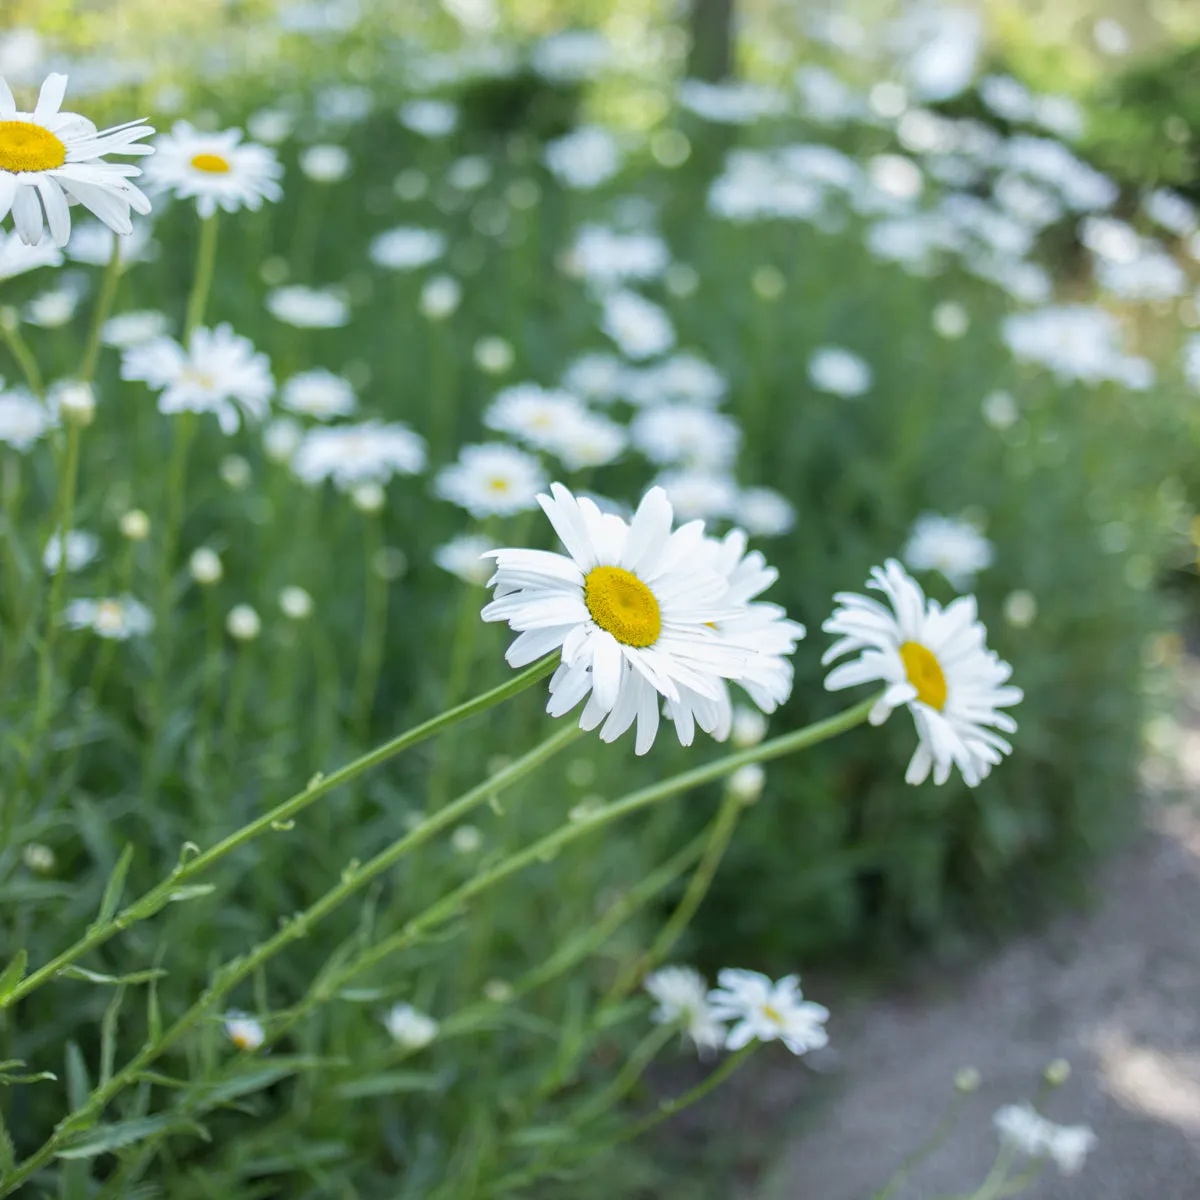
235	471
390	563
411	1028
466	839
967	1080
280	439
749	727
274	271
1058	1072
295	603
368	497
746	783
1020	608
39	858
950	320
135	525
493	355
205	566
76	403
768	283
498	991
440	297
243	623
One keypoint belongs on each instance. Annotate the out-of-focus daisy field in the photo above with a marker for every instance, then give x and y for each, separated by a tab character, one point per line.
774	423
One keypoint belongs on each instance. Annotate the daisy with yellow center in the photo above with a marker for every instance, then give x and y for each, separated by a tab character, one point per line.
766	1011
50	159
217	170
634	609
936	662
244	1031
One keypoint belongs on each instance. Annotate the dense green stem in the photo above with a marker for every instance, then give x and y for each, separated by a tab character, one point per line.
206	258
160	895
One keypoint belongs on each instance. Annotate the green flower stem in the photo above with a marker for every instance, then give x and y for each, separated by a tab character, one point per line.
206	258
640	1058
240	969
161	894
104	304
10	330
547	847
370	654
932	1143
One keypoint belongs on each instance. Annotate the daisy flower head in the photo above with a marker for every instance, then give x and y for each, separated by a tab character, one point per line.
640	328
1026	1130
670	434
319	394
492	479
353	455
50	159
699	492
134	328
217	170
682	997
406	248
117	618
768	1011
81	549
540	417
23	418
590	441
464	558
633	608
948	544
16	258
838	371
585	158
933	660
219	372
244	1031
308	308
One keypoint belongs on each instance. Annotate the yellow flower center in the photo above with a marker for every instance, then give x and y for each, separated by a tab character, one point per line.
623	605
925	674
498	485
25	146
214	164
772	1014
200	378
109	617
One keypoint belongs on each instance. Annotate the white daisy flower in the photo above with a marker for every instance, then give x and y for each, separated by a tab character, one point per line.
670	434
768	1011
763	512
319	394
606	258
584	159
698	492
833	369
23	418
1026	1130
406	247
682	996
352	455
410	1027
590	441
464	558
219	372
50	158
92	242
16	257
951	545
52	309
244	1031
934	661
633	609
82	548
532	414
134	328
429	118
684	378
118	618
596	376
639	327
492	480
217	170
308	308
325	163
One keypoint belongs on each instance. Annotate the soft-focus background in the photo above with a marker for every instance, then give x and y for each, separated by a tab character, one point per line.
926	259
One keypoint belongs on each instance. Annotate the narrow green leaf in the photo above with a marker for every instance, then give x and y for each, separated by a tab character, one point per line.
8	1156
544	1135
13	974
40	1077
78	1084
104	1139
108	1035
76	972
111	900
190	891
390	1082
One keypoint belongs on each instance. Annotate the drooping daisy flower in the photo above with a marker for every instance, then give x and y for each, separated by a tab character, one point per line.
219	372
244	1031
308	308
464	558
118	618
82	548
948	544
217	170
49	158
320	394
633	609
934	661
682	996
411	1028
1024	1128
406	248
352	455
23	418
492	480
768	1011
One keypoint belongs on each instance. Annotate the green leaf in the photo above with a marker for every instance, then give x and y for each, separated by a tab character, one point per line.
389	1083
262	1077
190	891
75	972
104	1139
544	1135
39	1077
8	1156
13	974
78	1084
111	900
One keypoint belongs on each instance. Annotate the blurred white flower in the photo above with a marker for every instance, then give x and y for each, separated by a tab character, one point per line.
244	1031
406	247
49	158
270	125
205	566
463	557
219	372
410	1027
680	434
82	548
606	258
429	118
571	56
325	163
1059	115
950	320
681	994
16	257
639	327
493	355
217	170
308	308
746	783
92	243
492	480
585	158
731	102
350	455
235	472
1173	212
470	173
1110	37
951	545
838	371
1020	608
1029	1132
999	410
135	525
768	1011
281	437
1076	342
595	376
134	328
118	618
295	603
684	377
23	418
319	394
440	297
1082	188
243	623
698	493
368	497
934	661
590	441
763	512
52	309
344	103
1007	97
466	839
532	414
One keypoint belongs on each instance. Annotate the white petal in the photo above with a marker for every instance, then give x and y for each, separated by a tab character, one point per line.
607	667
27	215
50	98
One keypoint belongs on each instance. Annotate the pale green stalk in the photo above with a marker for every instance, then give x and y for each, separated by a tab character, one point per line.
10	330
932	1143
104	303
240	969
206	258
161	894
